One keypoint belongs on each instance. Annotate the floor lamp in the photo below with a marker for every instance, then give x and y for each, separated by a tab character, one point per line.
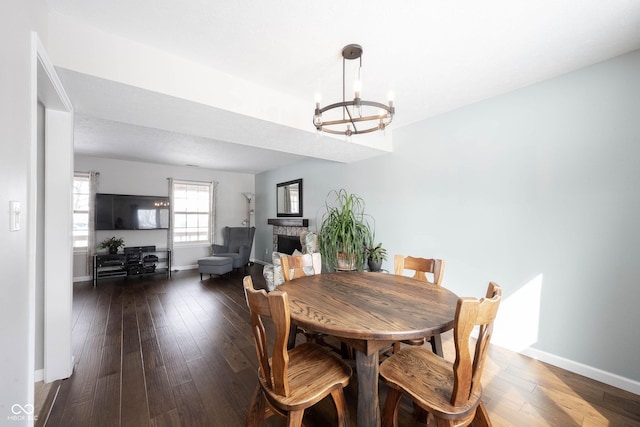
247	221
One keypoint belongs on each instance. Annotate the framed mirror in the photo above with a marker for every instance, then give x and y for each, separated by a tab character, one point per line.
289	198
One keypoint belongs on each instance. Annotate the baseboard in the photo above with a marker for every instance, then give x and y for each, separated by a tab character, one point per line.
39	375
609	378
82	279
184	267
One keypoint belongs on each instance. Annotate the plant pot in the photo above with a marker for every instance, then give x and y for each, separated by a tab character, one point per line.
113	250
374	265
345	264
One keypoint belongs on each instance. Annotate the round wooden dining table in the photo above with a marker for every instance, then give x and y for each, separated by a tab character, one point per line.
370	311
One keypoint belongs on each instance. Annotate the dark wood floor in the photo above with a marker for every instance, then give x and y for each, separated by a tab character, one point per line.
179	352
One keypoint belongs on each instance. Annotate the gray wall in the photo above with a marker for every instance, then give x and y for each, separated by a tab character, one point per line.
536	190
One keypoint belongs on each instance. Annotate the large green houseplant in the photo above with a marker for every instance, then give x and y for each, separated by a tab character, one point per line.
345	231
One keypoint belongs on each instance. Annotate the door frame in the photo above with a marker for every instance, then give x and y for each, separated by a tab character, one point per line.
58	214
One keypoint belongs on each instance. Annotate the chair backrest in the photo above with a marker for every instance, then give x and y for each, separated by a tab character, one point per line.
420	266
234	237
276	306
470	357
295	266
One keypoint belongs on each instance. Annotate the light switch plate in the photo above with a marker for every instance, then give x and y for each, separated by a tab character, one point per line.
14	215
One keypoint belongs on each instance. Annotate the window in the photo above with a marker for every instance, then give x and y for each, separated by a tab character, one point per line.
80	211
191	212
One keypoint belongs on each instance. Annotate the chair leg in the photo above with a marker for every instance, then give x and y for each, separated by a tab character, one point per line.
481	418
255	414
201	277
295	418
341	407
390	410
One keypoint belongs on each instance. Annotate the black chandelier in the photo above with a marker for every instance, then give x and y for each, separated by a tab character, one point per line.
354	113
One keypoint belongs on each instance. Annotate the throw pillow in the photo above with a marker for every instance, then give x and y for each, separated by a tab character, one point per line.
267	273
278	278
309	242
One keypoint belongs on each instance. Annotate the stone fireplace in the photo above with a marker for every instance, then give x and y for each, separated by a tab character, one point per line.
288	244
286	231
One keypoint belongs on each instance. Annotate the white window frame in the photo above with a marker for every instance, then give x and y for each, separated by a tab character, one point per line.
194	210
81	176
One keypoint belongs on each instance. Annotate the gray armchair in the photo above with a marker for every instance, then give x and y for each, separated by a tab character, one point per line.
237	245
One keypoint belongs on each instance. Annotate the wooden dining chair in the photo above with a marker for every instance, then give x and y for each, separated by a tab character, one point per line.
290	381
294	267
452	393
421	267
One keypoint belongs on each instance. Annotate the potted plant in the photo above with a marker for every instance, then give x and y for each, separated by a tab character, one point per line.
112	243
375	256
344	231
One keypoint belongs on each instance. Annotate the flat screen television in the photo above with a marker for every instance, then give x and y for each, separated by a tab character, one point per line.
127	212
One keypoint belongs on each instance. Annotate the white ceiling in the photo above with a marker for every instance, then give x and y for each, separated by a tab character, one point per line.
434	56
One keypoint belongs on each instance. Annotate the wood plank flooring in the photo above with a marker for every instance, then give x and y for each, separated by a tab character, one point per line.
179	352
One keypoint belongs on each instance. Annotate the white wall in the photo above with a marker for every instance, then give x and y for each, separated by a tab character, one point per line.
17	128
105	55
126	177
536	190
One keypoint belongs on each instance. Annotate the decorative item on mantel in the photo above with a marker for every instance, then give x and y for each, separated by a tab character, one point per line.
112	243
354	113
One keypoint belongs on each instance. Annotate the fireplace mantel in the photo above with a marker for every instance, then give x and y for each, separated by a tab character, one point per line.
288	222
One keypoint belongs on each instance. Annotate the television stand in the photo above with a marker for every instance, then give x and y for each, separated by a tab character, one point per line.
135	261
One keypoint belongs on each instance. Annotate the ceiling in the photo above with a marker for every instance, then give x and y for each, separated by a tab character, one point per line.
434	57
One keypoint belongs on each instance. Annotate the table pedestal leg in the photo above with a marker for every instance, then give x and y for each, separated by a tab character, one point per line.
368	403
436	345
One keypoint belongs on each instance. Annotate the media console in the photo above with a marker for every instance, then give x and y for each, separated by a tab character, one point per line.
134	261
